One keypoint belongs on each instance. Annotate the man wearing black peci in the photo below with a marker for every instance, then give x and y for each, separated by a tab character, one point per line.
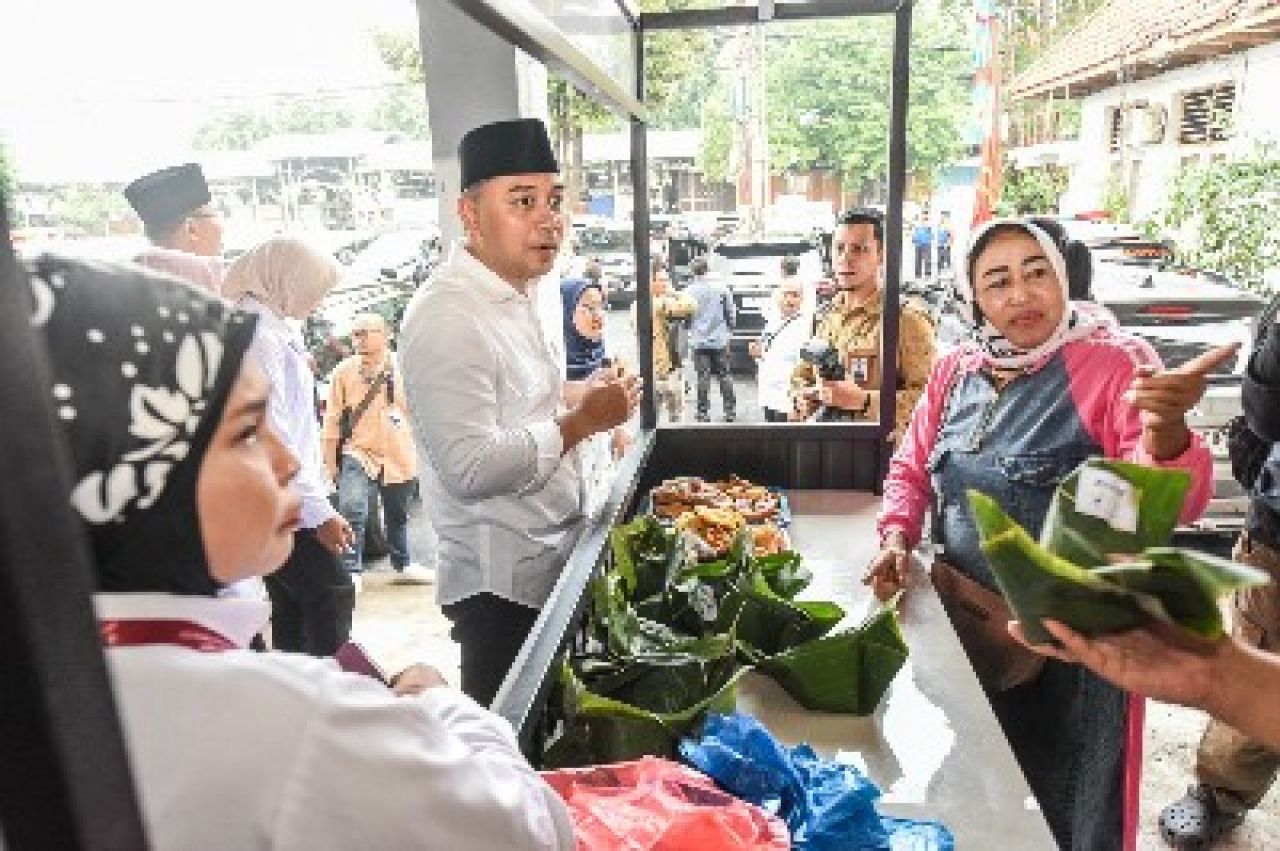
501	475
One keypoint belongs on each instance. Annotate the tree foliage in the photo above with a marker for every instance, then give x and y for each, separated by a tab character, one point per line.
90	209
1032	190
678	66
1226	212
717	131
404	105
400	52
239	128
8	180
1032	26
829	90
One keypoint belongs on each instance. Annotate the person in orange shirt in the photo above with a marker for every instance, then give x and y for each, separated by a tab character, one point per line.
368	444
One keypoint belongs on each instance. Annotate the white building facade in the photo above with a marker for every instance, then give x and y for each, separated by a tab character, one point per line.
1140	134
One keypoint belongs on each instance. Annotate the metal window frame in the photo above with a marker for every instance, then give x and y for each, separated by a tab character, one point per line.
523	26
731	16
523	695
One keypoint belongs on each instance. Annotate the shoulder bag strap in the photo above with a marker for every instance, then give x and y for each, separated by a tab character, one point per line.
359	410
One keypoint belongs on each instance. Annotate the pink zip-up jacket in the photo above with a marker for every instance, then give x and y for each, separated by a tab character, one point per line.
1100	368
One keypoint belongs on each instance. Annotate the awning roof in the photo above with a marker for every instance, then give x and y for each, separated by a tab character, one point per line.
1142	38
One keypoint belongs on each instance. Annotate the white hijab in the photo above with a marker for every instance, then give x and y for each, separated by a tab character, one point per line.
999	351
288	275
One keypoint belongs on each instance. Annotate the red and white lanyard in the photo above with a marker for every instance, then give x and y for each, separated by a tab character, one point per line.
179	633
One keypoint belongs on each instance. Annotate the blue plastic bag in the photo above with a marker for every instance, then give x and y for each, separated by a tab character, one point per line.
827	805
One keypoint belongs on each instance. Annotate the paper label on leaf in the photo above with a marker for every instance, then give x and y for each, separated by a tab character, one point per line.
1103	494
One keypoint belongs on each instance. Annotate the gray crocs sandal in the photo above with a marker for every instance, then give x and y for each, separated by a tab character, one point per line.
1196	820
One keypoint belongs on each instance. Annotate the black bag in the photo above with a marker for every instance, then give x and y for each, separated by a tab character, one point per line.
677	331
1247	451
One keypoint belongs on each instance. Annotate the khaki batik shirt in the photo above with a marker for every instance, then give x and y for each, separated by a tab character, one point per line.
854	329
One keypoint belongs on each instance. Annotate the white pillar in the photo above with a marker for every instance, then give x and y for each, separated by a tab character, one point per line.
473	78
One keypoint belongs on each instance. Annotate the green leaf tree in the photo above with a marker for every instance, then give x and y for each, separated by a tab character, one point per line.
829	90
91	210
1225	215
1032	190
239	128
234	130
8	180
403	106
310	115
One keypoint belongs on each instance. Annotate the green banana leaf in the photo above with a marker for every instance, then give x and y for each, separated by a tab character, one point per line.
768	624
1143	504
785	572
1186	584
675	635
599	729
646	555
668	680
848	672
1040	585
620	629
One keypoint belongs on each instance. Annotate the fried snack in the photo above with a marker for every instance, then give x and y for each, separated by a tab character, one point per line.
758	510
671	510
755	502
715	527
766	540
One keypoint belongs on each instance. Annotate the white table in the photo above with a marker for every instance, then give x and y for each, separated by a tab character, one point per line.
933	745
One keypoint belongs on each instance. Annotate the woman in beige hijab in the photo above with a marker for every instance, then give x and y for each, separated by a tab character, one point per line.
311	596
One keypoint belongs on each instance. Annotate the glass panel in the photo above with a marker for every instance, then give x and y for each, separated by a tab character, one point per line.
600	30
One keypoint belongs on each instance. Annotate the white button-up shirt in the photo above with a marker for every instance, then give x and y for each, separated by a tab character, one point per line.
291	408
484	389
245	750
784	338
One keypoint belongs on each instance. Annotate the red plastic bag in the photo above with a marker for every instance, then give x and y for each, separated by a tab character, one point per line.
654	804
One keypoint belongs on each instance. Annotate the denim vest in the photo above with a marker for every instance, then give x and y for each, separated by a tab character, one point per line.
1015	445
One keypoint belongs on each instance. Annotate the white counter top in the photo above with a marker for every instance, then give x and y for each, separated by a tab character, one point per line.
933	746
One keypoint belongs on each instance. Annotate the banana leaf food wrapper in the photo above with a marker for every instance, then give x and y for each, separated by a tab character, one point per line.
1103	564
670	634
847	672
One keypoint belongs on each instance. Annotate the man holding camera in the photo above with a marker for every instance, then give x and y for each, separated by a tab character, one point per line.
845	383
501	475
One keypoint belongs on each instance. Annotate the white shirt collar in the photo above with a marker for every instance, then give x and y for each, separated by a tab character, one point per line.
492	286
236	618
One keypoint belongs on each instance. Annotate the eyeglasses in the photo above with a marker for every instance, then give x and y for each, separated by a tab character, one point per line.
365	332
597	309
204	214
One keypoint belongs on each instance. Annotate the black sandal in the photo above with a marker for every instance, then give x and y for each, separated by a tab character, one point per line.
1196	820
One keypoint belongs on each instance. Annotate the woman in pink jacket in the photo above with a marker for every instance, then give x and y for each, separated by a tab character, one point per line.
1041	385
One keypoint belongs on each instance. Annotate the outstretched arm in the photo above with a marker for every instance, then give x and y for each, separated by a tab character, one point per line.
1232	681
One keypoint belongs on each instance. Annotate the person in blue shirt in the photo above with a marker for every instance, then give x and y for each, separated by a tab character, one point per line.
944	243
709	334
922	239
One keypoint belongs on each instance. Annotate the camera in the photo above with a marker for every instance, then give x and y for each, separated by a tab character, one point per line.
829	365
824	358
